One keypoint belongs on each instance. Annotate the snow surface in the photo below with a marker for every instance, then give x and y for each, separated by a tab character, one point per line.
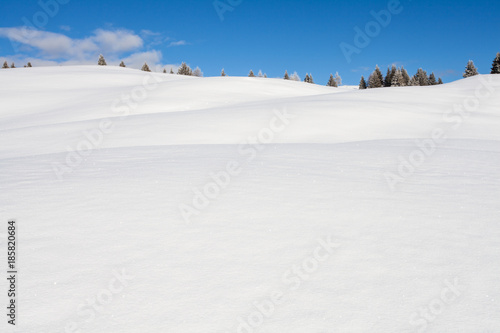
419	254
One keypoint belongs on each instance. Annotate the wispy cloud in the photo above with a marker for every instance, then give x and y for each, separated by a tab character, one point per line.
178	43
448	72
360	69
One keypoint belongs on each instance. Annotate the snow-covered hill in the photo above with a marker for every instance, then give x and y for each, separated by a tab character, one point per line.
163	203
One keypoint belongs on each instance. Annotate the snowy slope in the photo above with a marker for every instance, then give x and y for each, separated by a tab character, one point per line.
365	211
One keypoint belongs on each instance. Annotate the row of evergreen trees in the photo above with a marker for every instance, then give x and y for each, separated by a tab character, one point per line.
471	70
184	69
398	77
395	77
6	65
332	82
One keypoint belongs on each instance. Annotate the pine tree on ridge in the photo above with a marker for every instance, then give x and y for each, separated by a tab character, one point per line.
101	61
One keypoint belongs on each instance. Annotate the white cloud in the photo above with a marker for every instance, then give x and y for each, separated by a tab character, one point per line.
178	43
65	27
360	69
56	45
136	60
117	41
43	48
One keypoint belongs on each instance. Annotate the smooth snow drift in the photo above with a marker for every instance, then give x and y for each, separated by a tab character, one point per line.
164	203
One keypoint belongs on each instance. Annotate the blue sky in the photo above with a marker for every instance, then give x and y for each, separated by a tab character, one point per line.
274	36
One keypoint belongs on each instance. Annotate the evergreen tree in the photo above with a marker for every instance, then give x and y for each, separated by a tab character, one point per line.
398	79
101	61
29	64
414	81
286	77
495	68
223	73
197	72
295	77
376	79
331	82
164	71
122	64
306	79
338	79
406	76
422	78
251	74
390	74
171	70
265	76
440	81
470	69
5	65
362	83
311	80
145	68
388	78
260	74
432	79
12	66
185	70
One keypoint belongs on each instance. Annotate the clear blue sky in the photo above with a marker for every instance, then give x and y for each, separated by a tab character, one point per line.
274	36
